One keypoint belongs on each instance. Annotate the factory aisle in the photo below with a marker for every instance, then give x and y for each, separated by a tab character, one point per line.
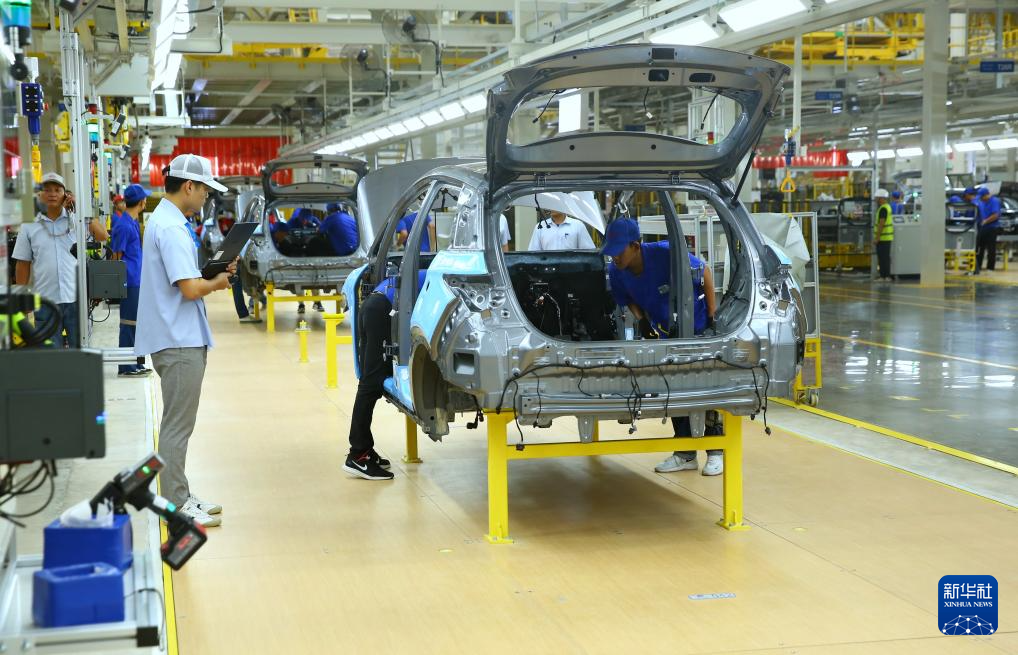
844	555
939	364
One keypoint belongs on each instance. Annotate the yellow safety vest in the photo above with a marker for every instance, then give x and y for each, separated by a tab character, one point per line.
887	234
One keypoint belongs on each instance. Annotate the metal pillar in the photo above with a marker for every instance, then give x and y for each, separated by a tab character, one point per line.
934	126
797	87
72	73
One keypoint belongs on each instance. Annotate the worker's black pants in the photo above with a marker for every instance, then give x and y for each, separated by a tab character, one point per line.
682	428
986	244
884	258
373	329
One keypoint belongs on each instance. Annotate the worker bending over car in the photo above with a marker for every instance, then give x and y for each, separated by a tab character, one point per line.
640	277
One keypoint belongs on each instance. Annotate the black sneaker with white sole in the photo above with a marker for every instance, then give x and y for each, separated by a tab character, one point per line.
366	467
381	461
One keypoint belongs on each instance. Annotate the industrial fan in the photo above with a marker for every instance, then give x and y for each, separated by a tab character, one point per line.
409	29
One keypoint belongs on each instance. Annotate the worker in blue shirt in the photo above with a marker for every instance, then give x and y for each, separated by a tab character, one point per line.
989	225
407	223
341	229
374	330
640	278
126	246
302	218
897	206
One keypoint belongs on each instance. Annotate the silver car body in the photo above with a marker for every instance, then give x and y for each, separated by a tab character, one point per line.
465	343
241	191
263	263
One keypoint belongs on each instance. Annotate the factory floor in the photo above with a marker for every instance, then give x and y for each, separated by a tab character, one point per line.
936	363
846	546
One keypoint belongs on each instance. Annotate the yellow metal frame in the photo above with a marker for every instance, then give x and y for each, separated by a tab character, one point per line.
960	260
271	299
332	341
806	393
302	333
500	453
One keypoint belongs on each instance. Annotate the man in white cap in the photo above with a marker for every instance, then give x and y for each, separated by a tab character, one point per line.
172	325
883	234
43	254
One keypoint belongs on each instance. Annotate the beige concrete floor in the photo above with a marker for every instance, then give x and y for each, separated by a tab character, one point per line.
844	554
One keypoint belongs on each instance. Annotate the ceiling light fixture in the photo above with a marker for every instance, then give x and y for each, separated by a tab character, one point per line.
414	124
1002	144
452	111
691	32
432	118
971	146
910	152
475	103
751	13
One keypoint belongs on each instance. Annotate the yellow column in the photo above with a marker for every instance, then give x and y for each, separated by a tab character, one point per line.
732	519
331	376
302	333
270	308
411	457
597	433
498	480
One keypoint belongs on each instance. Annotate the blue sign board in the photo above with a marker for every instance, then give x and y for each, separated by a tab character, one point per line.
996	66
832	95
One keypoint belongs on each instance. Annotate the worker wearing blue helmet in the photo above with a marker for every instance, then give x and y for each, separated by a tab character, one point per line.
341	229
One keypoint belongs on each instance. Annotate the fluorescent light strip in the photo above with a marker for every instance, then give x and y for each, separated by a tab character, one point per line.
414	124
398	129
383	133
885	154
431	118
1002	144
910	152
475	103
691	32
751	13
452	111
972	146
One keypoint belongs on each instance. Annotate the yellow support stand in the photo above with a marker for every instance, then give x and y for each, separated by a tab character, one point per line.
500	454
302	332
412	456
810	378
332	341
271	299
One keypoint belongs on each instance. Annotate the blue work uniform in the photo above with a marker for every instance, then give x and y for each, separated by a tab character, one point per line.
302	219
341	228
407	224
126	239
388	286
988	208
897	208
166	319
651	289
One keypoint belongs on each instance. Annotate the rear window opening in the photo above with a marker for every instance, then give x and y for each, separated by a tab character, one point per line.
566	292
314	229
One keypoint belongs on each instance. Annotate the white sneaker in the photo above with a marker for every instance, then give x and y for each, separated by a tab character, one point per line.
675	463
715	465
198	515
250	318
206	506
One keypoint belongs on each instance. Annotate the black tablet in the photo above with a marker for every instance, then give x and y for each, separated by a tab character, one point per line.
230	250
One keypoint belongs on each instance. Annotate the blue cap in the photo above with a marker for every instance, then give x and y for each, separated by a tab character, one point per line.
621	233
135	194
982	191
896	194
970	191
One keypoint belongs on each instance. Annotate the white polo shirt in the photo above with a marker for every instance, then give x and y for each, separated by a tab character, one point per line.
46	243
570	234
166	319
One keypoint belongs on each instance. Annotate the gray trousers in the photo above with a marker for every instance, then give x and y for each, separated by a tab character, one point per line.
181	371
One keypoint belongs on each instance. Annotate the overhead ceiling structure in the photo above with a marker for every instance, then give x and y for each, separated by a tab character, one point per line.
326	71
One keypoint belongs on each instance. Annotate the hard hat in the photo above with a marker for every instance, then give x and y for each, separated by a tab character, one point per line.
881	193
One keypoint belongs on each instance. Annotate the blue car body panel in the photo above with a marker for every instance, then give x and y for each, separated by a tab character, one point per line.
350	292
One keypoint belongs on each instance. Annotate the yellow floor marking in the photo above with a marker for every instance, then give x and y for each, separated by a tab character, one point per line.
919	352
902	436
876	461
927	409
1013	429
170	607
904	398
889	301
958	416
983	280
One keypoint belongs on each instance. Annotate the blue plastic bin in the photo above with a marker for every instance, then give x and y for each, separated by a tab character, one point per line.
69	546
74	595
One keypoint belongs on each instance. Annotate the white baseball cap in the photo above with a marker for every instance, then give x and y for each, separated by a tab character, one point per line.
881	193
55	178
193	167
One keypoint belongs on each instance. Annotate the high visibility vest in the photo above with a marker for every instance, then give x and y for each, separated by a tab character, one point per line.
887	234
